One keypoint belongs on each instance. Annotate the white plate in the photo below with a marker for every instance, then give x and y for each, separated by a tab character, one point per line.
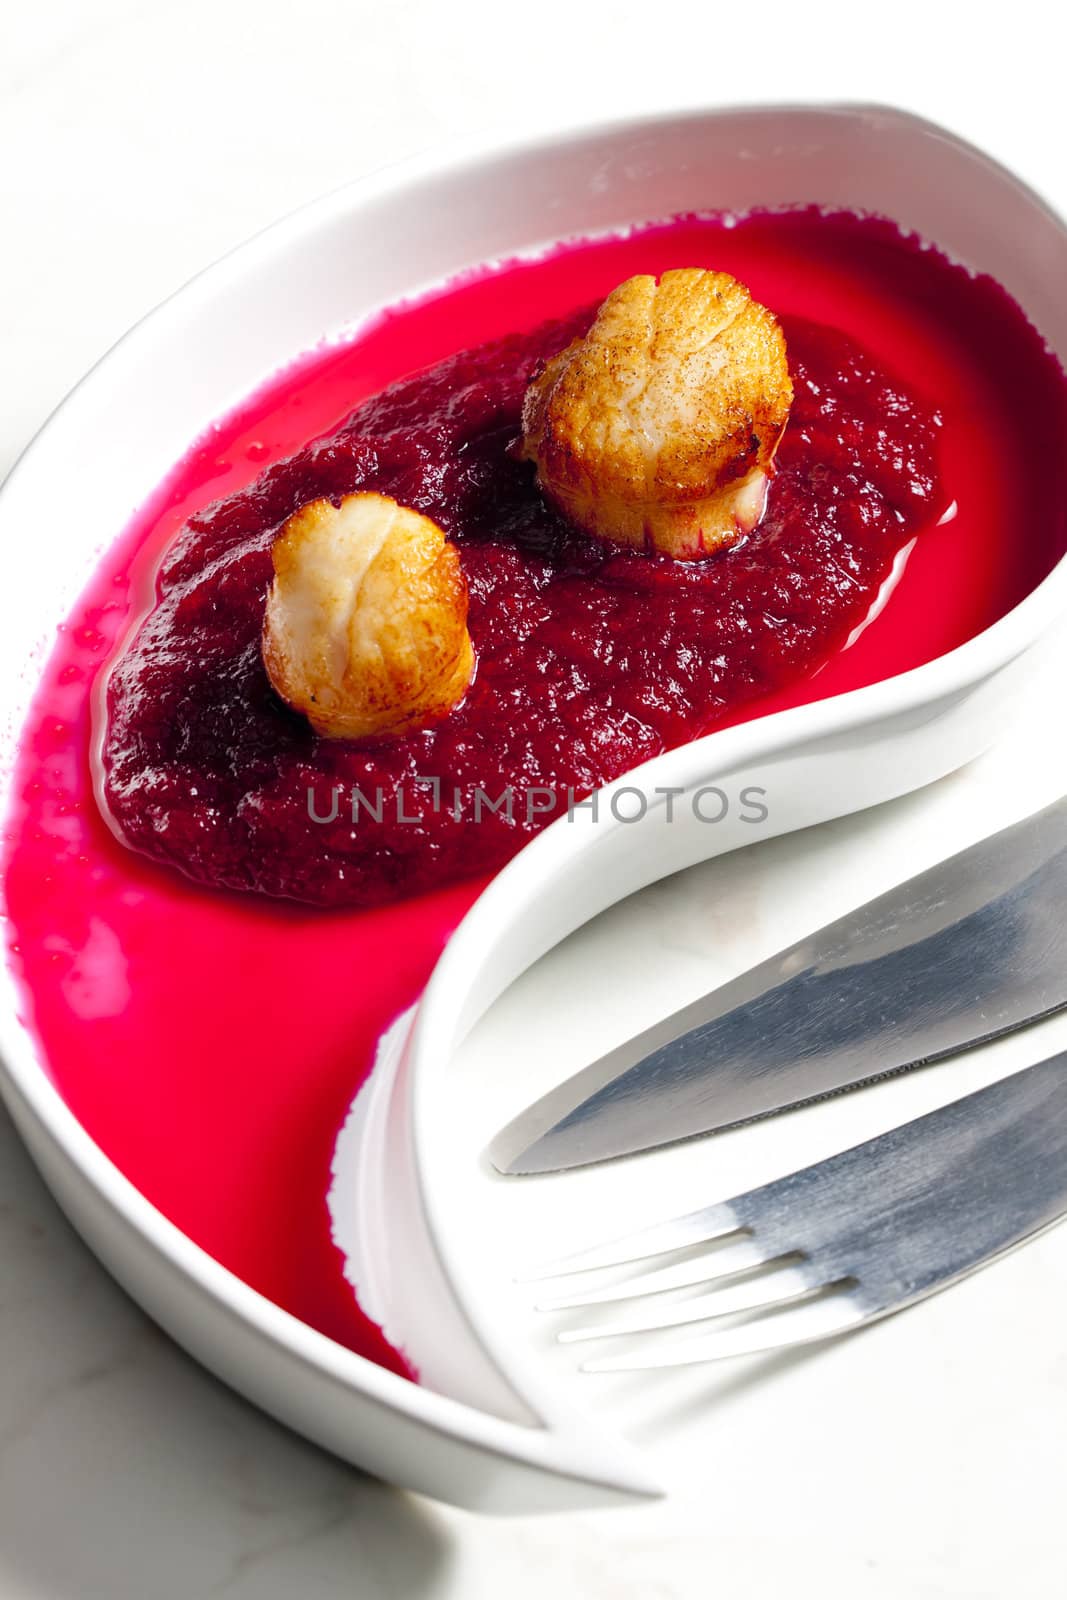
315	274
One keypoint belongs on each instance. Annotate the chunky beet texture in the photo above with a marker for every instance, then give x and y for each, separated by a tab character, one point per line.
590	659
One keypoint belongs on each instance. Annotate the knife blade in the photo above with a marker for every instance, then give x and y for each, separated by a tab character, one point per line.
969	950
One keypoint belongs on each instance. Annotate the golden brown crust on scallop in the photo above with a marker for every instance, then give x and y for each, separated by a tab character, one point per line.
365	630
659	427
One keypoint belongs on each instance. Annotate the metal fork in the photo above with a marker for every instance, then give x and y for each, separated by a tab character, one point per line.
839	1244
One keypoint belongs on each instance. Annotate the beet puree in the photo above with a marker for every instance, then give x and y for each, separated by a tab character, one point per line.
591	659
211	1043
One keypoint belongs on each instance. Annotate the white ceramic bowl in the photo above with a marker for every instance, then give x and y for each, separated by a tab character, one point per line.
317	273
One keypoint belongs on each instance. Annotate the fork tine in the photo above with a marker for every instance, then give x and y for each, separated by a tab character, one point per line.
775	1288
721	1261
698	1227
833	1312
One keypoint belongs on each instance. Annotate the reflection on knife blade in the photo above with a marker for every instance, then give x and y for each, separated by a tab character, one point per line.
972	949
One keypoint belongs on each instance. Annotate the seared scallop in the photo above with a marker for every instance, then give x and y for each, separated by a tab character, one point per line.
658	429
365	630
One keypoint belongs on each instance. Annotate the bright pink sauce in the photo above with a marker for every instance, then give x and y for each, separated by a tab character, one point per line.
212	1042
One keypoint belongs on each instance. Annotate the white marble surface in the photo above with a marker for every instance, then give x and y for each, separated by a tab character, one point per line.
138	143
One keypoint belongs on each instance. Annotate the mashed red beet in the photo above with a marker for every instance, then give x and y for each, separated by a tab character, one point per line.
590	659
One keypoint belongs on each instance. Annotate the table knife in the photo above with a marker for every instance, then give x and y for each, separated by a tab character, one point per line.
970	950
